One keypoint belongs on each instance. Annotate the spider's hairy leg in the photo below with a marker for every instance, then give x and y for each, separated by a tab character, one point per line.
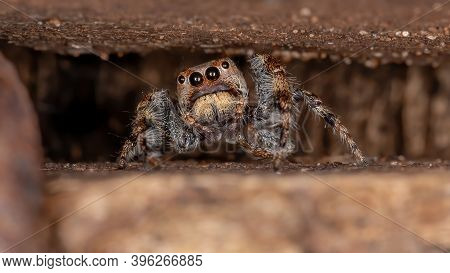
128	151
252	149
273	114
147	128
314	104
181	135
157	125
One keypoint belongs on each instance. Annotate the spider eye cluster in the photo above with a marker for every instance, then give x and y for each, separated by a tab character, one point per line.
212	73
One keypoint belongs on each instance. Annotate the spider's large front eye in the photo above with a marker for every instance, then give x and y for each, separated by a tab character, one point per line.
181	79
212	73
196	79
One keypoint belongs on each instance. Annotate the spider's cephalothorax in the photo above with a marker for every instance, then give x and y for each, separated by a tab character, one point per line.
212	105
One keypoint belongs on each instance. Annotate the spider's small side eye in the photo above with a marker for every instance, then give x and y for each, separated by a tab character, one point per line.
196	79
212	73
181	79
225	64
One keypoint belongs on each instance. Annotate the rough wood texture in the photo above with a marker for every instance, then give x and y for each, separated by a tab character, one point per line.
229	212
370	31
20	158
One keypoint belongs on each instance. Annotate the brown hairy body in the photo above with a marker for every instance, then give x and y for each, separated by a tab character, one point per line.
213	105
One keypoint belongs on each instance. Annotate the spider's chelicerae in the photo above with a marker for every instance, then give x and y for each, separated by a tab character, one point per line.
213	105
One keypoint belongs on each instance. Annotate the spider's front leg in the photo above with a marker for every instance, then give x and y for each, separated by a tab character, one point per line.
270	128
274	116
156	128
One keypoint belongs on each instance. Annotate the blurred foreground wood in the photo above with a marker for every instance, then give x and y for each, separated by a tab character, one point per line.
228	212
20	158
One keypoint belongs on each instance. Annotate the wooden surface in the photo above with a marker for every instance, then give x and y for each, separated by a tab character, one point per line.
226	209
373	31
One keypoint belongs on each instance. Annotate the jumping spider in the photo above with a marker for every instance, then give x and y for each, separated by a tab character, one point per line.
213	105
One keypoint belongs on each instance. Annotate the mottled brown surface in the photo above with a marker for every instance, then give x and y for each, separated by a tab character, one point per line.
384	31
20	156
248	208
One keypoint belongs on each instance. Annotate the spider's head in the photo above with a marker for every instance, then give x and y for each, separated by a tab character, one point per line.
211	92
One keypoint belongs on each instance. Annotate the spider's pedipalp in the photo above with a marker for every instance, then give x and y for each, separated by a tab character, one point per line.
156	126
316	106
